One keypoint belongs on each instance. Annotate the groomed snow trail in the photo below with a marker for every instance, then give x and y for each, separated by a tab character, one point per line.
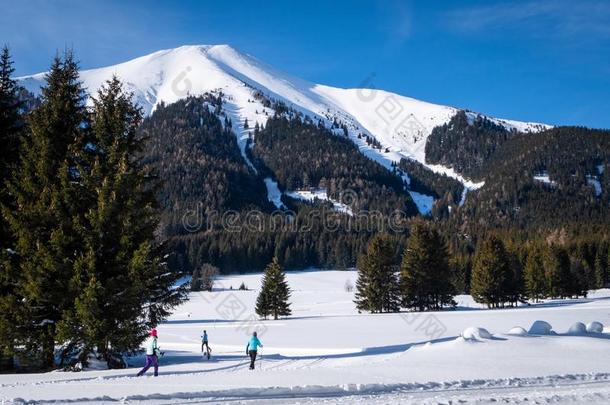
578	388
328	353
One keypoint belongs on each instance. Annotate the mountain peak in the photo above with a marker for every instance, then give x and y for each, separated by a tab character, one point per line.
200	48
400	124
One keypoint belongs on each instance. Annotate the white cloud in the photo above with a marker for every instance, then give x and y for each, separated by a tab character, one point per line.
543	18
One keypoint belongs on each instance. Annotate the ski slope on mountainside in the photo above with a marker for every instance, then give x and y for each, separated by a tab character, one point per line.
400	124
328	353
322	195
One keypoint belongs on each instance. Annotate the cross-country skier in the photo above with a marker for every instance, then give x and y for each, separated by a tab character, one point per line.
204	342
152	354
251	349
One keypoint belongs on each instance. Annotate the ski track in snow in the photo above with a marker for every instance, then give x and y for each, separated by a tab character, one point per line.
328	353
572	388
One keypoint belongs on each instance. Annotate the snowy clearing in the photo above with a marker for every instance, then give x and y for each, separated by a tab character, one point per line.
423	202
544	178
327	352
274	194
319	194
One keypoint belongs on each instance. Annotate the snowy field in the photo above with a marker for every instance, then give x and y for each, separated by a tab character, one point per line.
328	353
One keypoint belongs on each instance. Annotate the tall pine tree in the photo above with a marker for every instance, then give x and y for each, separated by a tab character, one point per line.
274	296
535	281
516	288
377	286
491	274
123	286
557	271
11	124
601	265
425	278
45	188
582	270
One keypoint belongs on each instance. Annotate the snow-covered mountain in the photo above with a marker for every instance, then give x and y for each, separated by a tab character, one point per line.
401	124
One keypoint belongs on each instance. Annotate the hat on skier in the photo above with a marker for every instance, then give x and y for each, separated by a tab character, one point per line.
153	333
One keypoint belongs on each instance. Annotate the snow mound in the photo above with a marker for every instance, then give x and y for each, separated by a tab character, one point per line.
577	328
595	327
541	328
517	331
460	340
476	333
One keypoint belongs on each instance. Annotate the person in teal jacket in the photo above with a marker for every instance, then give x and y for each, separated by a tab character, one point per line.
251	349
204	342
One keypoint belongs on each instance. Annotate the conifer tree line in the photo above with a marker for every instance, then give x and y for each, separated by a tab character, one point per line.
202	169
420	279
301	154
81	271
202	164
504	273
576	195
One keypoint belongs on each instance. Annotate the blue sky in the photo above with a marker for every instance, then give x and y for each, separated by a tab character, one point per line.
538	60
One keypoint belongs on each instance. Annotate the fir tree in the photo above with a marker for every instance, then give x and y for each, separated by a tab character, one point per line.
11	122
425	277
516	287
45	188
123	286
607	273
535	281
491	274
581	276
263	306
377	287
10	131
274	296
460	266
601	265
557	271
10	307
